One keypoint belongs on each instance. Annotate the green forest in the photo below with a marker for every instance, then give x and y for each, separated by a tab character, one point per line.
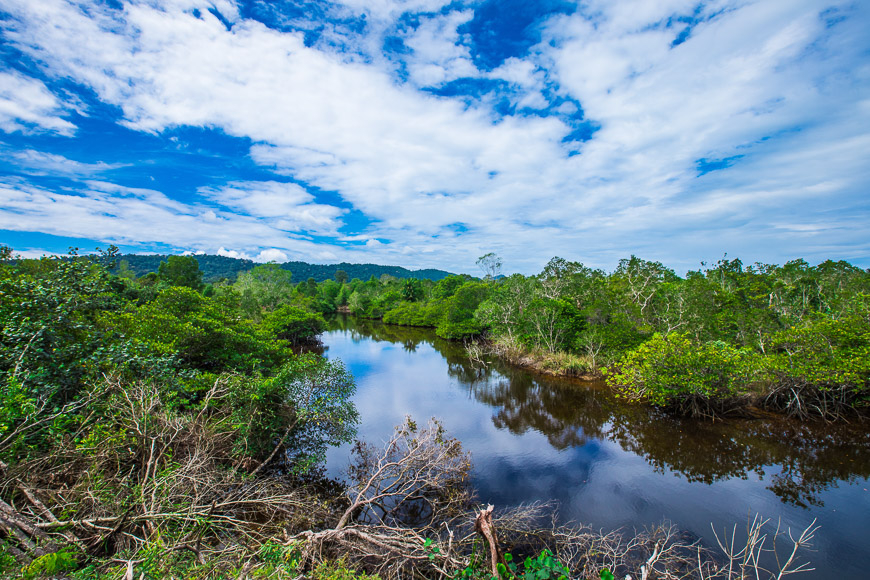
158	426
792	338
217	268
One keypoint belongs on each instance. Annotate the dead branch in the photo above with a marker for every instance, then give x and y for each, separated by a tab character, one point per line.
483	526
413	474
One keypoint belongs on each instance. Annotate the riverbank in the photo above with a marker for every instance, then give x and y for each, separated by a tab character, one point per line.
557	364
702	380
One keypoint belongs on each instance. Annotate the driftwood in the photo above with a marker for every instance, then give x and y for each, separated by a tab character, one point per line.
483	526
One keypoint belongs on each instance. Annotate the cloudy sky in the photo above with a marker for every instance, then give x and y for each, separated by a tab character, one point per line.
425	133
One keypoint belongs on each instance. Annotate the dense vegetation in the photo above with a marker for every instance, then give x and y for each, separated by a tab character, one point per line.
158	426
793	337
217	268
144	421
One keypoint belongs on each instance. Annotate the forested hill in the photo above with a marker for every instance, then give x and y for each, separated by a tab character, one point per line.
320	272
215	268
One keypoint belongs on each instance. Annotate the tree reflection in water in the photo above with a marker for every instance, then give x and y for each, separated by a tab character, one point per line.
798	460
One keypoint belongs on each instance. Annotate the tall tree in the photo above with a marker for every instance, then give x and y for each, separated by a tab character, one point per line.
264	288
181	271
490	264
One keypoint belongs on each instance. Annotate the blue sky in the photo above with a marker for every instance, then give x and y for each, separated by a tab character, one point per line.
425	133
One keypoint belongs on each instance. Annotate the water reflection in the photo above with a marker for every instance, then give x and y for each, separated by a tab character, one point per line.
797	460
608	464
810	457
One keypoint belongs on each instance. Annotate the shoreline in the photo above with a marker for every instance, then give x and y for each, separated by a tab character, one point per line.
569	366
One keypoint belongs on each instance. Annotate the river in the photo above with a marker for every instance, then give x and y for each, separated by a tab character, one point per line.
607	463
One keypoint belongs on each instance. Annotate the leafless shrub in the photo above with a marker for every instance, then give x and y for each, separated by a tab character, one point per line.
151	473
476	352
748	558
401	495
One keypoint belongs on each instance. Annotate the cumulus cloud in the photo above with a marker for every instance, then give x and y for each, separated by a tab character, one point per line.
268	255
232	254
439	54
271	255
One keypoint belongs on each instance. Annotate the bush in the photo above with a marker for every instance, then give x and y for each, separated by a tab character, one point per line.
459	330
676	371
202	332
417	313
294	324
822	367
828	353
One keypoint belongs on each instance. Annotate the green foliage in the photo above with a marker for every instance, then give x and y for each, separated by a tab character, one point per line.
458	330
412	290
278	560
181	271
417	313
827	353
447	287
504	310
360	303
307	399
458	321
544	566
263	289
8	562
338	571
674	370
202	332
49	340
50	565
293	324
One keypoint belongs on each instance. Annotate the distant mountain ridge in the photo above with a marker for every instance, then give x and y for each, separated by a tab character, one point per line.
215	268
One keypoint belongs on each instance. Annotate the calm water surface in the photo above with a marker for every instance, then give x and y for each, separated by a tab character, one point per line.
608	464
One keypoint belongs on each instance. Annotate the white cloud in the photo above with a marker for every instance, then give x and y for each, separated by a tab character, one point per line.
232	254
27	105
284	205
41	163
763	79
272	255
438	55
121	215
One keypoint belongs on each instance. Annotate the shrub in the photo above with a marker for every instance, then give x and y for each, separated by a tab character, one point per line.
822	366
294	324
676	371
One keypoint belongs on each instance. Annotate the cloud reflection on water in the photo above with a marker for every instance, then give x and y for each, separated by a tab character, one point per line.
606	463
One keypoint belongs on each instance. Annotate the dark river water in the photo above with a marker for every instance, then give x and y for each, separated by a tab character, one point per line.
606	463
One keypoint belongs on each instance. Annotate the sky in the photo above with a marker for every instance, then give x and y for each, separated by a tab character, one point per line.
426	133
